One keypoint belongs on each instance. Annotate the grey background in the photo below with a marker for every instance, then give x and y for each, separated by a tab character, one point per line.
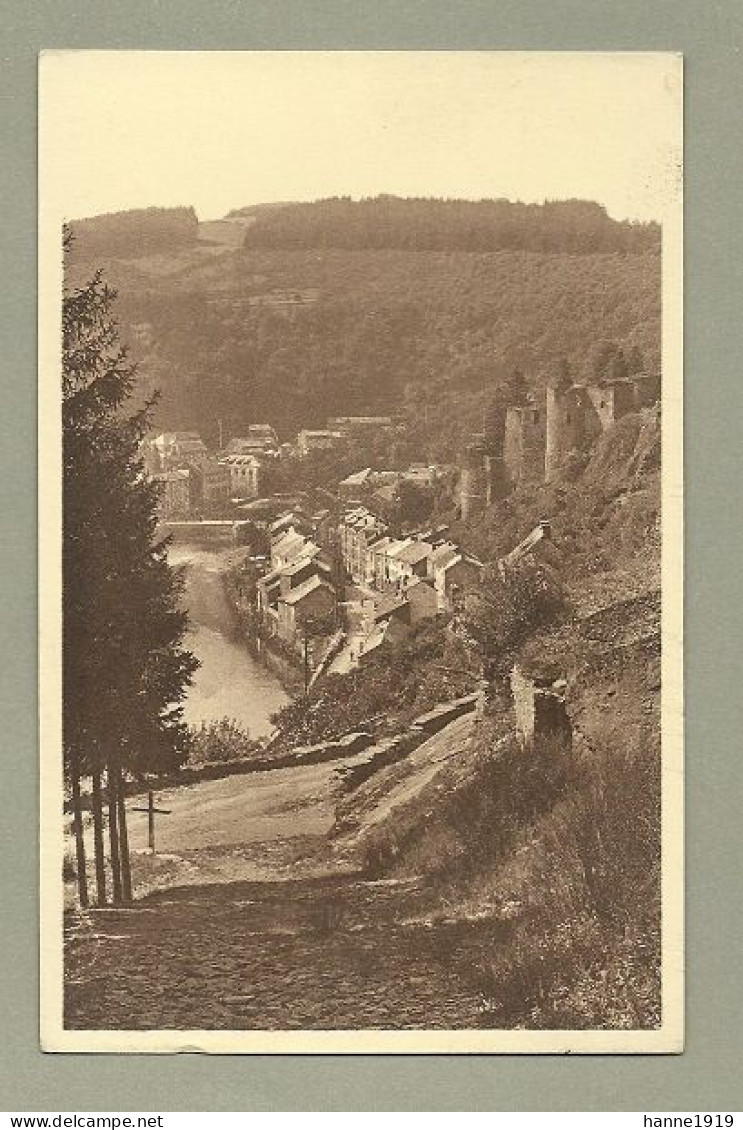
707	1076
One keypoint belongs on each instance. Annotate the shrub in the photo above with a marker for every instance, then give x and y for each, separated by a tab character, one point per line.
220	741
585	951
427	667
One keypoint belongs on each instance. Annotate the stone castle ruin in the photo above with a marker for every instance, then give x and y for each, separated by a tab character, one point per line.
532	442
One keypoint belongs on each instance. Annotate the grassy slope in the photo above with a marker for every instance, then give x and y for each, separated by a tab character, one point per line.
560	857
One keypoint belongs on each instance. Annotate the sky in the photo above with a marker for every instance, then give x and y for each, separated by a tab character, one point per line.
220	130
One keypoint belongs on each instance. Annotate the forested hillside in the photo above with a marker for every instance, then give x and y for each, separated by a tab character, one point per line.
292	336
147	230
573	226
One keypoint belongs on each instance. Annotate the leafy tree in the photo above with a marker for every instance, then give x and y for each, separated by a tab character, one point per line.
502	612
609	362
516	387
314	626
561	376
125	671
427	335
413	503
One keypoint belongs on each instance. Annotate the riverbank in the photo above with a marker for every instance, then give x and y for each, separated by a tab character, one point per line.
239	588
232	681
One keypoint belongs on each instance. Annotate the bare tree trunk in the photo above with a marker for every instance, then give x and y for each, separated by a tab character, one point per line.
77	819
126	871
100	854
113	832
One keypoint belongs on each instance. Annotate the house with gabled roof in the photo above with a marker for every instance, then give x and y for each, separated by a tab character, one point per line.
536	547
392	605
312	440
295	520
259	439
413	561
422	600
287	547
245	472
453	575
358	530
180	449
355	482
313	599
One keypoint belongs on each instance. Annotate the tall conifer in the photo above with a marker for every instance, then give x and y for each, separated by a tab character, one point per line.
125	671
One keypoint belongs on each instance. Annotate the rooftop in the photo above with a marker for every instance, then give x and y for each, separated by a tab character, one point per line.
239	459
379	545
443	553
357	479
178	437
289	518
288	540
359	420
455	560
387	605
271	578
399	545
320	433
297	595
301	562
415	553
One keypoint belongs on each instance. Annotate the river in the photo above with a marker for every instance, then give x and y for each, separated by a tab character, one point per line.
230	683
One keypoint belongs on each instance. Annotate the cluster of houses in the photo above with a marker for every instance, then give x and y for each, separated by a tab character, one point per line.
342	431
193	479
385	564
396	581
344	577
296	600
380	488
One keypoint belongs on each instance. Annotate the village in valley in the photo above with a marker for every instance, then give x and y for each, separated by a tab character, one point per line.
342	570
397	763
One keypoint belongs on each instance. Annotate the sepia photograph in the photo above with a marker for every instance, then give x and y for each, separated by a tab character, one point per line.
360	520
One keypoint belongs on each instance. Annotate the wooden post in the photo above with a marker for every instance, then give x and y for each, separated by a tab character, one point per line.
100	860
77	818
151	811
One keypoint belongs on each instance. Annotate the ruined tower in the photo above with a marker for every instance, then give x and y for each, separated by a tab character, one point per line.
496	482
524	444
564	427
473	478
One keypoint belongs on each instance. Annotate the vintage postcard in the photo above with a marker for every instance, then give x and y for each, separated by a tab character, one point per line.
360	434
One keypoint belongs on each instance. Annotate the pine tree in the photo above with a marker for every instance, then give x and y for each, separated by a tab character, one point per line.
124	670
